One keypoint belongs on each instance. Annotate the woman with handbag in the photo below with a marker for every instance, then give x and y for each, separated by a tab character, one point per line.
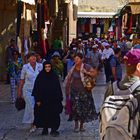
79	89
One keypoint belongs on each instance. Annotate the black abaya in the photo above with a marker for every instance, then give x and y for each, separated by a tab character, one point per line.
47	90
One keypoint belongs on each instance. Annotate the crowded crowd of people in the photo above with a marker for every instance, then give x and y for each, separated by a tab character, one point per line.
38	80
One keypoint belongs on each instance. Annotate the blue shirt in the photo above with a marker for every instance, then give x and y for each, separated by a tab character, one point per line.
114	62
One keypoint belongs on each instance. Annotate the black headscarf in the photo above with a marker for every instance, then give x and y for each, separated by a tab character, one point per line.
47	87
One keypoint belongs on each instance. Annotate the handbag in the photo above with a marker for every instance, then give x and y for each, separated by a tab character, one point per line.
20	104
89	82
68	105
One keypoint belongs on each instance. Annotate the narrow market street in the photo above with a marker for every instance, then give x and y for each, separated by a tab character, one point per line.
11	127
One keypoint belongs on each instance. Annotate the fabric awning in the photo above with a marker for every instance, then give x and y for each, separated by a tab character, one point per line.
95	14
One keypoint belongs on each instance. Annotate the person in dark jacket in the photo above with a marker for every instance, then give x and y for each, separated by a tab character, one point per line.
48	100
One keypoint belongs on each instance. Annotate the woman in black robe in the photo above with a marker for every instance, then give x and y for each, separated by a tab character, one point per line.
48	100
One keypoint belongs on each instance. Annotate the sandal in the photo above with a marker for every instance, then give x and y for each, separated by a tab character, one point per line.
33	129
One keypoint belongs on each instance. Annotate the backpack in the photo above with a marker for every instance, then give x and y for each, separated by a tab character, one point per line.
119	115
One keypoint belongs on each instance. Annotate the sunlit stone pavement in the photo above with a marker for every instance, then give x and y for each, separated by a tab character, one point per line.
11	127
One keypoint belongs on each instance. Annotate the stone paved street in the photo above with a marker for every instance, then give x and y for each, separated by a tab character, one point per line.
11	127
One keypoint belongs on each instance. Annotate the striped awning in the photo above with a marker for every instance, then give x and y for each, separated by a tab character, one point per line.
95	14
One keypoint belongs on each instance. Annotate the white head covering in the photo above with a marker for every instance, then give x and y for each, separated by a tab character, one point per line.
95	46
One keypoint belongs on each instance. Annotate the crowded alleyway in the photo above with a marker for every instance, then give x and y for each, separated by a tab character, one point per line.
11	127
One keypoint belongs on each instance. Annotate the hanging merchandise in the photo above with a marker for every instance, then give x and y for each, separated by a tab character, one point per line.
34	20
94	28
27	28
110	29
82	28
106	25
19	44
32	2
28	15
87	25
91	28
93	21
124	21
130	25
98	32
19	12
25	47
46	11
41	27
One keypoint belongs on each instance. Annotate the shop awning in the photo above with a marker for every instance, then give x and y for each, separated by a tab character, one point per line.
95	14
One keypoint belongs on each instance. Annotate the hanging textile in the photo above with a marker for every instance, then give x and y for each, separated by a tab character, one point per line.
93	21
26	50
19	44
41	27
106	25
94	28
130	24
42	15
82	28
32	2
34	20
19	12
28	15
91	28
87	25
27	28
124	21
46	11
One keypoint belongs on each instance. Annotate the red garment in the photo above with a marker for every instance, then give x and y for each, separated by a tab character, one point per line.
68	105
130	26
87	27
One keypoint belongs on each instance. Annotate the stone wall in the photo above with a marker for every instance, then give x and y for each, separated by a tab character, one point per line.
7	30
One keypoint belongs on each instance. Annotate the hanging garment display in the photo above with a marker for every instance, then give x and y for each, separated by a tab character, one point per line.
32	2
93	21
124	21
26	50
87	25
34	20
106	25
91	28
19	12
28	15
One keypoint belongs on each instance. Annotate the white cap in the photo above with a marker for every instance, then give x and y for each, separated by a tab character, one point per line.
96	39
95	46
118	46
106	44
103	44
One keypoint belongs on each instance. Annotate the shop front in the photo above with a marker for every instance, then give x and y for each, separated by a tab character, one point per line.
93	24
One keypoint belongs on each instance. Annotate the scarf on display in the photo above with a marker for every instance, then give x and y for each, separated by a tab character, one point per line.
68	79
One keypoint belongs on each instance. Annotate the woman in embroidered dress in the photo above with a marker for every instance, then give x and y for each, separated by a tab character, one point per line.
14	71
82	103
28	75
